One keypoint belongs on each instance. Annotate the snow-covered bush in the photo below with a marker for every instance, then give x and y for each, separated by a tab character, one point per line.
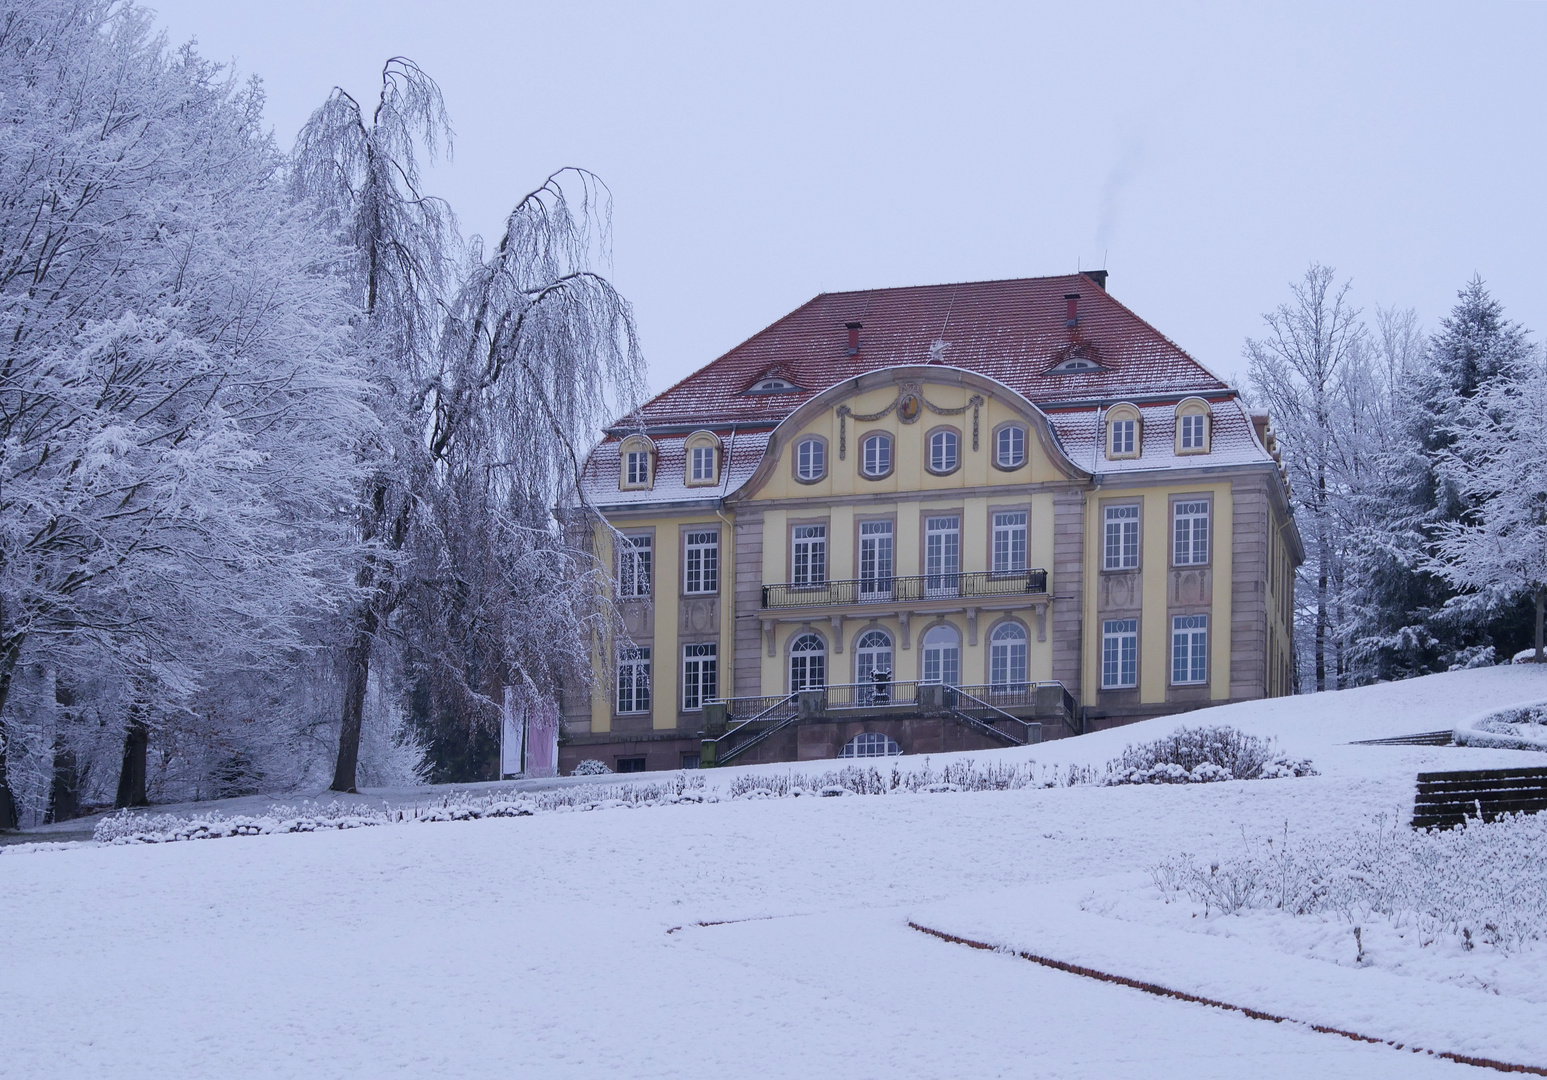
1520	727
590	767
1203	755
967	775
1485	882
129	827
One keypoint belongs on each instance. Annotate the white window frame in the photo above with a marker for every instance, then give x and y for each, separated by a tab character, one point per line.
870	744
1120	537
636	469
940	650
1123	437
1009	541
700	675
876	455
877	559
808	554
942	554
1193	432
806	657
701	562
1006	653
701	465
636	566
944	451
634	675
1189	650
1015	436
810	459
1190	532
1119	654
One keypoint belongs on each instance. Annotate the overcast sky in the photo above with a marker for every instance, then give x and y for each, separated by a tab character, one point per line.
758	155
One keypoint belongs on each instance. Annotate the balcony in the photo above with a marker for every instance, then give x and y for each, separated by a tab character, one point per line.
891	590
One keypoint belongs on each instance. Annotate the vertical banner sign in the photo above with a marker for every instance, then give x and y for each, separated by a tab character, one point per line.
542	739
512	728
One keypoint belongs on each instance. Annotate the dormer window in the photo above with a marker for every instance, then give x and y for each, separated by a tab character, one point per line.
636	470
1124	434
1193	421
702	451
1076	364
773	385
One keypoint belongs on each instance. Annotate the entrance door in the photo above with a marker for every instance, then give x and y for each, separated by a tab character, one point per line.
872	653
875	560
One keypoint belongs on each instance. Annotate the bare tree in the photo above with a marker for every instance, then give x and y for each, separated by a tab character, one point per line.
1309	370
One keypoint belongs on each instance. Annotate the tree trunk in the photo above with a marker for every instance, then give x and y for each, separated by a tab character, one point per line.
64	796
8	819
357	673
132	776
8	657
1541	606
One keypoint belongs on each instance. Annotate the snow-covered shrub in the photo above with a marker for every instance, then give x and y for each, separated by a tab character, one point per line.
970	775
590	767
1520	727
130	827
1203	755
1485	881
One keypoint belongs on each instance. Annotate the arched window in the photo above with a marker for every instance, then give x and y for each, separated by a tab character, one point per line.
636	464
808	663
810	459
870	744
1193	421
872	653
1124	432
702	465
876	455
1010	446
944	450
1007	656
942	656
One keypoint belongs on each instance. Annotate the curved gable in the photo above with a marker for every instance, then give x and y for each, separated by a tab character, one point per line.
913	398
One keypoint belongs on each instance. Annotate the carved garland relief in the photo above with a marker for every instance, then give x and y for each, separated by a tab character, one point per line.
908	405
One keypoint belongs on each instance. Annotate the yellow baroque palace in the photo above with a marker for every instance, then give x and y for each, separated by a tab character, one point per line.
927	519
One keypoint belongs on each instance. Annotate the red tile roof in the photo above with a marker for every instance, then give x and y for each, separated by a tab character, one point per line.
1013	331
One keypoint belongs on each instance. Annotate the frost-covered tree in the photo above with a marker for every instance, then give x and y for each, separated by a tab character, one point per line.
178	411
1312	371
363	172
539	353
1496	463
1411	619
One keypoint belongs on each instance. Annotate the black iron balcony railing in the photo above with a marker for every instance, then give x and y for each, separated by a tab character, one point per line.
887	590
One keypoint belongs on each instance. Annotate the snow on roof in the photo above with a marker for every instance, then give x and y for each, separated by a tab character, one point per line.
1231	440
1013	331
742	451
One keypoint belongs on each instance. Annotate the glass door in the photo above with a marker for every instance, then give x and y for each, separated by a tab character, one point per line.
942	556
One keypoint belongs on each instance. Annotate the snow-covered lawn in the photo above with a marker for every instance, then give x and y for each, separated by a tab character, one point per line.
760	937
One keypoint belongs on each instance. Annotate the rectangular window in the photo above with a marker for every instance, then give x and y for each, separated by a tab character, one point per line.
1192	432
691	761
875	560
1191	533
942	555
810	554
703	463
1189	649
634	680
1119	653
631	764
634	566
700	676
1009	542
638	467
1122	436
1122	538
701	570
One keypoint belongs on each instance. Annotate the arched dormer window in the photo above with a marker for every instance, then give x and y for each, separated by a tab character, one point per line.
1194	426
1124	434
1075	363
636	464
702	459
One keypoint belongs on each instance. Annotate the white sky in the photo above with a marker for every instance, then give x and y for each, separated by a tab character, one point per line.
759	155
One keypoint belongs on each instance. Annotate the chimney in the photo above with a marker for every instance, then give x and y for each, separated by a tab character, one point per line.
854	329
1097	276
1072	318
